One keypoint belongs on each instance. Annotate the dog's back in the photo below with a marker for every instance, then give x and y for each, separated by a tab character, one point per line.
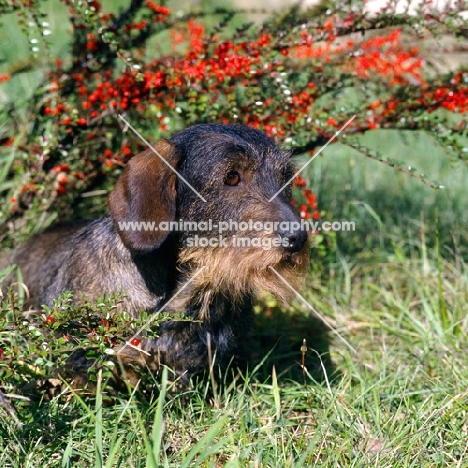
40	259
87	258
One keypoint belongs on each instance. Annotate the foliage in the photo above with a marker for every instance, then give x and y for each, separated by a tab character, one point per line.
299	76
36	347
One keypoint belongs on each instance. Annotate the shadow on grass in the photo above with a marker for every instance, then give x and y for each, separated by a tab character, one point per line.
276	339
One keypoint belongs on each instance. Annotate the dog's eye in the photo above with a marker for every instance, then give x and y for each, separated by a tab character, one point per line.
232	179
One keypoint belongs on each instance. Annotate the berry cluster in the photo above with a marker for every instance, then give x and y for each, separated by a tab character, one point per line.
278	78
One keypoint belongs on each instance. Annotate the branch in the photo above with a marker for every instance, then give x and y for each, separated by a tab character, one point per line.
319	141
398	165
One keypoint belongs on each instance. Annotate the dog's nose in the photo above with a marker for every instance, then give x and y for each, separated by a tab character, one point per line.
295	240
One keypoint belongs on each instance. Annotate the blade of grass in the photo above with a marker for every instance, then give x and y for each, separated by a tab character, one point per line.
276	394
5	164
158	426
98	422
207	441
113	452
68	452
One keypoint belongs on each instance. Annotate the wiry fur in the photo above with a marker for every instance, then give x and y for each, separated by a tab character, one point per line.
152	266
241	271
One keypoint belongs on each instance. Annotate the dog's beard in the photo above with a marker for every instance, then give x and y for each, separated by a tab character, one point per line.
237	272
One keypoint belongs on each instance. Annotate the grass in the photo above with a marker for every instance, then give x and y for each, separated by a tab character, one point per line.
401	400
396	289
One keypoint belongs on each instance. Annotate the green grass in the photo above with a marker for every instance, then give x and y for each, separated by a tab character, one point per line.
388	206
399	401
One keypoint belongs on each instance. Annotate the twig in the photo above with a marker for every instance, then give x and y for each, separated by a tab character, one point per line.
10	410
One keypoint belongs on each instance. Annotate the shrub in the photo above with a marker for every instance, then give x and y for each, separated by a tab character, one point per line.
299	76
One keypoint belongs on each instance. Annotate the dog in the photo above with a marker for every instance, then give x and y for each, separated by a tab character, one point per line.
208	174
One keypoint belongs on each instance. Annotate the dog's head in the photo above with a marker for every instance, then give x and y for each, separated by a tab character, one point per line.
222	184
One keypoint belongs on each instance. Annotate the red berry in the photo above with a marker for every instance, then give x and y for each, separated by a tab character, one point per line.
50	319
1	354
62	179
126	151
135	342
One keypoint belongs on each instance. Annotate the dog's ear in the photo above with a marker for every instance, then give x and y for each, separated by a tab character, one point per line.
146	191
